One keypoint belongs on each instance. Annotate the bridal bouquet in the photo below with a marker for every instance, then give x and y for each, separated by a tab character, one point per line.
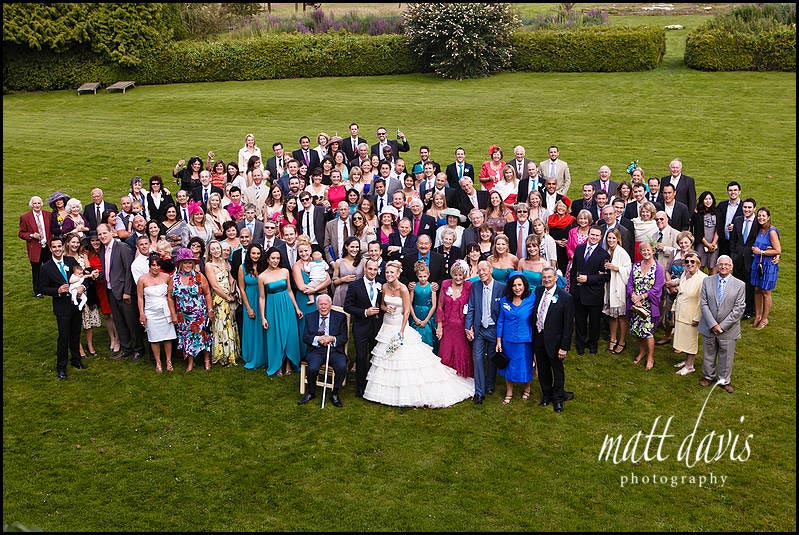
394	344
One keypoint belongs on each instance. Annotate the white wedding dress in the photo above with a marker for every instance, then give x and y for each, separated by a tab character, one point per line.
411	376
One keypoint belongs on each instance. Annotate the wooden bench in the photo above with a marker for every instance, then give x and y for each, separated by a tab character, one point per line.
89	86
121	86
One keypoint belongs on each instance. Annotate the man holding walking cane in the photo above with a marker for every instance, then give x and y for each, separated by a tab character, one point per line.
326	336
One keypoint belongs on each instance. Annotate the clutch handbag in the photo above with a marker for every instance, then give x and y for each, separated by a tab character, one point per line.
500	360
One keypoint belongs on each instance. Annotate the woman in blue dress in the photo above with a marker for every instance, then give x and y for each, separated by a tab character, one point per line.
515	334
423	310
501	260
279	313
764	270
252	333
301	288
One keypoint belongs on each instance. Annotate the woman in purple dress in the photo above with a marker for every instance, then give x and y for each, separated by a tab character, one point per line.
454	350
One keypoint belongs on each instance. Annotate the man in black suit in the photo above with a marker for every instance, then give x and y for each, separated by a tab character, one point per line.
742	238
604	183
588	278
374	251
235	263
362	303
93	212
421	223
381	197
361	155
655	196
425	253
325	328
424	155
517	231
440	186
305	154
398	202
54	281
201	192
276	165
350	144
251	223
551	196
619	209
271	240
633	208
117	277
382	142
466	197
586	203
459	169
531	183
554	317
726	212
401	242
519	163
679	217
311	221
684	184
608	223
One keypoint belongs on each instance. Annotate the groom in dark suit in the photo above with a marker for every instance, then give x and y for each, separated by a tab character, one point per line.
325	328
53	278
363	305
554	316
481	329
587	286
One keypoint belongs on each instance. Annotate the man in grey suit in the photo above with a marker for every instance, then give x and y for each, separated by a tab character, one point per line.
118	278
604	183
481	329
722	302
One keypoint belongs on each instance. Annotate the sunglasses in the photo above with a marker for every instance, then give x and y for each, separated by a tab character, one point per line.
381	133
521	211
306	199
690	262
357	219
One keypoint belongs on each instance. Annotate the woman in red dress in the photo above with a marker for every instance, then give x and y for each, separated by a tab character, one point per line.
491	171
454	350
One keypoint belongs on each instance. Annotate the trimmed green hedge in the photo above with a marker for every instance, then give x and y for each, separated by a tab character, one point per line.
593	49
720	50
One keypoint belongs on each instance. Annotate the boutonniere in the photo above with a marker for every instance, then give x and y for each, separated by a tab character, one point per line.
506	306
378	286
555	298
449	291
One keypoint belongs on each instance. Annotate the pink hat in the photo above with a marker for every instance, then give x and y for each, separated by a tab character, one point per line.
184	254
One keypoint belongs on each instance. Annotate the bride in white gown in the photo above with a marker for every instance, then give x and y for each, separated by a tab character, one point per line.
408	374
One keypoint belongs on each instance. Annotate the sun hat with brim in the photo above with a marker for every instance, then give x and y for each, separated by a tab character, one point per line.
184	255
417	168
453	212
389	210
334	139
55	196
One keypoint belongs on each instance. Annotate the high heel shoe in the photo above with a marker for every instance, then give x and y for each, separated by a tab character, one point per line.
762	324
158	368
207	366
507	399
638	359
650	365
169	367
619	349
526	395
612	345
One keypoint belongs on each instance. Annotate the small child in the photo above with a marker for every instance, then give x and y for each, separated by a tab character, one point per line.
317	272
76	287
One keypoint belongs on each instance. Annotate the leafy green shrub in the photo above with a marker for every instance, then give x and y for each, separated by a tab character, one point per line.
721	50
462	40
594	49
754	18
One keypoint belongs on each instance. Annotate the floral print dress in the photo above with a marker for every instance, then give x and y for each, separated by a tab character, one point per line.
643	327
193	335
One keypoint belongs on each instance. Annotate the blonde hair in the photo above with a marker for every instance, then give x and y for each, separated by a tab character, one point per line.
395	264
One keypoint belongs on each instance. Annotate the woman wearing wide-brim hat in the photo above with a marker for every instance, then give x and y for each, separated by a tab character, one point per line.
454	216
58	202
194	309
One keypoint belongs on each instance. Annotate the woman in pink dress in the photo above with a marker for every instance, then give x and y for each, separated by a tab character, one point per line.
491	171
337	192
454	350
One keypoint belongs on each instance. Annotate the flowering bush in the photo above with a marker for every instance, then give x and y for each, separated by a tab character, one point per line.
462	40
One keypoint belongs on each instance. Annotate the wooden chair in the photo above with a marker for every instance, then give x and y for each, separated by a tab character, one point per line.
121	86
89	86
331	374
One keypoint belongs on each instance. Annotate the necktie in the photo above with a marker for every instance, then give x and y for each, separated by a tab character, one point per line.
323	326
292	255
520	247
251	228
97	206
542	311
486	319
205	195
268	244
460	170
415	226
307	158
63	269
604	186
722	284
108	266
346	231
308	223
746	229
551	168
371	291
660	236
186	217
40	225
379	204
519	168
588	251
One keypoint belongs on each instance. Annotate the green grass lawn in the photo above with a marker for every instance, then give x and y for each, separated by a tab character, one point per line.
120	448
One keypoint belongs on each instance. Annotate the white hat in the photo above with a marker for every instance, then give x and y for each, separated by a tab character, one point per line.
454	212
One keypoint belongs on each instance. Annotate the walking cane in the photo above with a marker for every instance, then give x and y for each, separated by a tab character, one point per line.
327	364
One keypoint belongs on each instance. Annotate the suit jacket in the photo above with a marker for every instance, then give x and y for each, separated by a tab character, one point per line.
257	197
561	174
726	314
427	225
394	239
331	239
336	326
558	197
627	237
591	292
436	166
524	174
271	166
524	188
461	201
721	219
90	213
631	210
27	226
236	262
355	304
120	276
346	147
258	234
436	267
470	235
318	223
452	174
578	205
197	195
670	247
740	249
159	214
612	185
50	279
313	158
511	230
686	190
558	323
455	253
280	245
474	310
680	217
396	148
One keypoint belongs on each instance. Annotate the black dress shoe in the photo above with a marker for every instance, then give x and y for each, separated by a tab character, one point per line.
477	399
558	406
306	398
40	296
62	375
336	401
119	355
569	395
80	366
136	356
543	403
490	391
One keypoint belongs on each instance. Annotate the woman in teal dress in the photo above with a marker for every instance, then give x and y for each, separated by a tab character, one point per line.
301	288
423	310
532	265
279	313
252	333
473	255
502	262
